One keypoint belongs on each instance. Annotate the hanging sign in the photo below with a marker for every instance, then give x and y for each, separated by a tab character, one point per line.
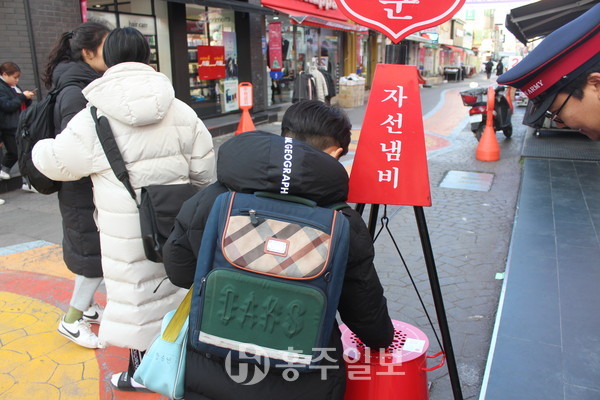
211	62
399	18
390	165
275	50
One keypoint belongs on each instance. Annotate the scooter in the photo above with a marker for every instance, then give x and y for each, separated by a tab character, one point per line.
476	98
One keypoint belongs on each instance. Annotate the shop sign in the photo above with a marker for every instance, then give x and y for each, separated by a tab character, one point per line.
399	18
275	49
323	4
390	165
211	62
316	8
143	24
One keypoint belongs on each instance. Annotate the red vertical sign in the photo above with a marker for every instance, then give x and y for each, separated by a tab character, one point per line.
390	166
211	62
275	43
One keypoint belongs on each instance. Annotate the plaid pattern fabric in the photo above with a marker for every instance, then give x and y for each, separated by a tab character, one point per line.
307	252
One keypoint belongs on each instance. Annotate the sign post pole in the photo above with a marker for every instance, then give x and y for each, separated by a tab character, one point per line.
397	19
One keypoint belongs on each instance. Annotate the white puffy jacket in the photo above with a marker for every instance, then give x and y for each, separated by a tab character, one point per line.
162	142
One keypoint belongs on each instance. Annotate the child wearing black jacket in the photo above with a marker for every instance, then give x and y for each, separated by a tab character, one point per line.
12	101
246	163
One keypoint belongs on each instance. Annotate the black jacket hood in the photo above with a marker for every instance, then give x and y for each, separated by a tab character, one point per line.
77	71
262	161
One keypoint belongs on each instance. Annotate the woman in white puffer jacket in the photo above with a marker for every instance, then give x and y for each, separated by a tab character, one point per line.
162	142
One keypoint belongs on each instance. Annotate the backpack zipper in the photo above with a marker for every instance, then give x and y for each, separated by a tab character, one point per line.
255	219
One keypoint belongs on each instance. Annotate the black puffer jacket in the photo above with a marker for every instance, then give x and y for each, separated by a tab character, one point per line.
10	106
247	163
81	240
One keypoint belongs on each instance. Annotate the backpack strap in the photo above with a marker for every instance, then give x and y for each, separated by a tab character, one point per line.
112	152
338	206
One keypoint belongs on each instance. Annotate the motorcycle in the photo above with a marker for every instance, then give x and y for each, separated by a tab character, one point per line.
476	98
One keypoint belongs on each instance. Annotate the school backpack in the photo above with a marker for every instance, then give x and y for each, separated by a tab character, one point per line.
268	280
37	123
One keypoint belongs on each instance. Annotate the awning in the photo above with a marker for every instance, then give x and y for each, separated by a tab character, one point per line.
228	4
321	20
417	38
537	20
454	48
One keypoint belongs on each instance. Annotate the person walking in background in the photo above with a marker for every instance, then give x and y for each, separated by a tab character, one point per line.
162	141
77	58
12	101
488	68
499	68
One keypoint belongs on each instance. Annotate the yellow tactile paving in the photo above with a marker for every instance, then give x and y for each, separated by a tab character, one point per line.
47	260
35	361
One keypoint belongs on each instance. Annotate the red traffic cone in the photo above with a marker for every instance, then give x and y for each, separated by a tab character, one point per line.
246	123
488	148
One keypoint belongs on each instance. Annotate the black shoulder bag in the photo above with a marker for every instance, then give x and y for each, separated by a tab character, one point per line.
159	204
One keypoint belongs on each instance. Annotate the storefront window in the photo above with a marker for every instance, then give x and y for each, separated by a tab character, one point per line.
212	59
137	14
301	47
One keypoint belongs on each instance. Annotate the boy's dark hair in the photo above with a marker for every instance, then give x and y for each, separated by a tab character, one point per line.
87	36
576	86
9	68
318	124
125	45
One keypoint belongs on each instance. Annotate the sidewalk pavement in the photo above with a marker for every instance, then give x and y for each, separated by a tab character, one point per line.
469	229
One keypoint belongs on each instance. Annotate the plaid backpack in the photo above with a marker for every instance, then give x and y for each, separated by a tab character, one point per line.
268	280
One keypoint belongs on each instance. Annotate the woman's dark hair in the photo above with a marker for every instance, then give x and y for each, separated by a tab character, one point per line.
87	36
9	68
317	124
125	45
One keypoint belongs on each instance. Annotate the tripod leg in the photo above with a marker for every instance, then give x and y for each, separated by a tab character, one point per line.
438	301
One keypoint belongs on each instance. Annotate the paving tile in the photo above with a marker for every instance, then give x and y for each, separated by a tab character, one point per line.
525	370
581	393
531	244
579	272
531	304
578	233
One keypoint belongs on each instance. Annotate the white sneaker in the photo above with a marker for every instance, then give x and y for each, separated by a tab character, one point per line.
122	381
79	332
28	188
4	175
93	315
2	202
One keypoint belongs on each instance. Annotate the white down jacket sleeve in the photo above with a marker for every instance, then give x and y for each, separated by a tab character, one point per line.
202	163
70	156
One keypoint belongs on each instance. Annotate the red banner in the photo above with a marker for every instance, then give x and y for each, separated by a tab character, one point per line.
275	43
211	62
390	166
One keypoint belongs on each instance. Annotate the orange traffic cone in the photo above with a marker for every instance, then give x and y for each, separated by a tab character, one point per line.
246	123
488	148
